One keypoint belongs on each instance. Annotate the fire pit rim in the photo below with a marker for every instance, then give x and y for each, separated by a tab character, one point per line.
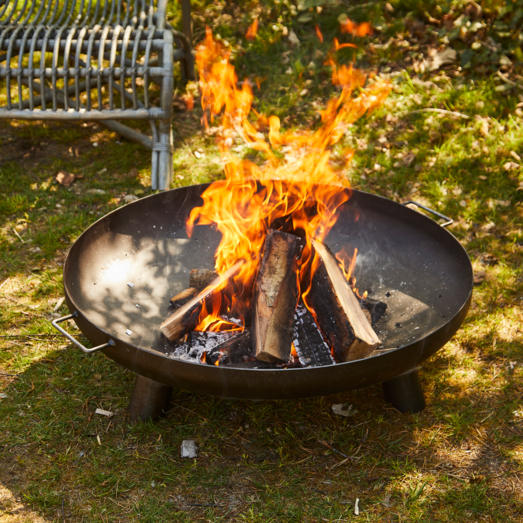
119	341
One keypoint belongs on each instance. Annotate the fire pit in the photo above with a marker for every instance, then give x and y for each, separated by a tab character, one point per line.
122	271
278	232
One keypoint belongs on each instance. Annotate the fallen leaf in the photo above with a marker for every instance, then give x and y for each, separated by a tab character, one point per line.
65	179
447	56
510	166
489	259
130	198
479	277
342	409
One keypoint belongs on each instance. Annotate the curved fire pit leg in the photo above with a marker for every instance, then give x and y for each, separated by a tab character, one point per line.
405	392
149	399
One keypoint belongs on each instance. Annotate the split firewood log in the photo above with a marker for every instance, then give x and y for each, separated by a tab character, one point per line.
185	318
183	297
275	297
338	311
200	278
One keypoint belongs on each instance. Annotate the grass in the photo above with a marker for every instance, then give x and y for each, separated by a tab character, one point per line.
459	460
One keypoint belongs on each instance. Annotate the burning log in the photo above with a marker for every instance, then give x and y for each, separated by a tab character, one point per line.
338	310
237	349
183	297
309	343
186	317
200	278
275	297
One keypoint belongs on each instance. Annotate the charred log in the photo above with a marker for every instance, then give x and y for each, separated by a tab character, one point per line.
375	308
275	297
237	349
310	346
338	310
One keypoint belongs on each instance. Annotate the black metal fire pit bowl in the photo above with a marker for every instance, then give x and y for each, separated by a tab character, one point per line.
122	271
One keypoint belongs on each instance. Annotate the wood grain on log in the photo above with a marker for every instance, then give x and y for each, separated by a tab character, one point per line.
183	297
200	278
338	311
185	318
275	297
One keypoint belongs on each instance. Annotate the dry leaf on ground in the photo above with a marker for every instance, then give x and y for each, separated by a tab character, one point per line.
65	179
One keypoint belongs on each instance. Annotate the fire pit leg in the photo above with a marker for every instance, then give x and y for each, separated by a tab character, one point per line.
149	399
405	392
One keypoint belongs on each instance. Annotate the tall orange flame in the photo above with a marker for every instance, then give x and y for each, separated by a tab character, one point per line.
297	180
252	31
319	33
348	26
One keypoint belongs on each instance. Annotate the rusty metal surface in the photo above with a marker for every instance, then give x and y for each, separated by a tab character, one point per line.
406	259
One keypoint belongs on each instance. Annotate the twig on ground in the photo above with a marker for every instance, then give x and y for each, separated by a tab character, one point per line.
5	374
333	449
4	282
18	336
354	7
17	235
202	505
441	111
509	81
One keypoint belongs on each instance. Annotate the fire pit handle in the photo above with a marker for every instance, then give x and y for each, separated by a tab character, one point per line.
448	221
55	323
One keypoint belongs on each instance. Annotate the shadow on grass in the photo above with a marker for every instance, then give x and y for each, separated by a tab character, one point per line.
256	459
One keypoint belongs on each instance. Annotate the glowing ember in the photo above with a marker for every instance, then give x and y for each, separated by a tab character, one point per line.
297	180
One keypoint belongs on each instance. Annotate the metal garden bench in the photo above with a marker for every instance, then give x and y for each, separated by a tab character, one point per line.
102	60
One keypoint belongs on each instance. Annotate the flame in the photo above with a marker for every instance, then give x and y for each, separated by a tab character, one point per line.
294	353
298	180
319	34
348	26
212	323
347	265
347	262
253	29
189	101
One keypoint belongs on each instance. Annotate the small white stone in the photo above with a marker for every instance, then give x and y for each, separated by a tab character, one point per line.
95	144
189	449
137	306
128	332
342	409
103	412
130	285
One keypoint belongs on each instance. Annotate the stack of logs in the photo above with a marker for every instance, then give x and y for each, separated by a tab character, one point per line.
279	330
